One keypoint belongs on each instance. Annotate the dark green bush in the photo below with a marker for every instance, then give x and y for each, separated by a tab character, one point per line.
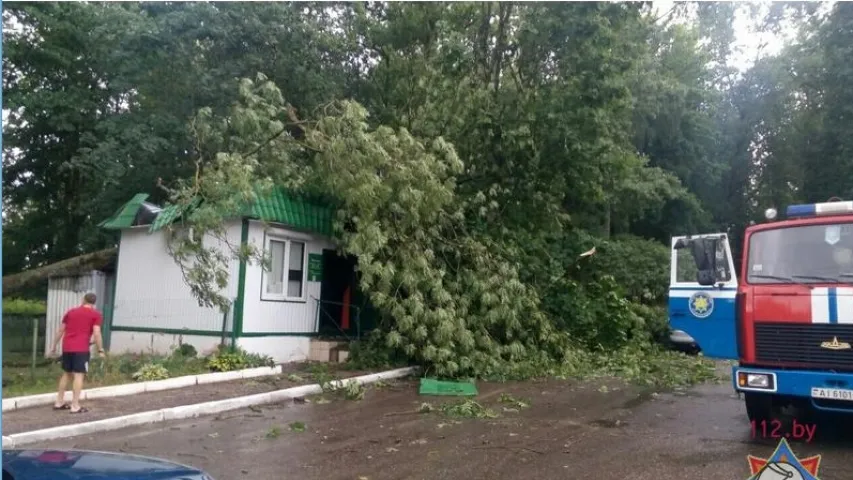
24	307
372	352
227	359
640	267
654	321
605	301
187	351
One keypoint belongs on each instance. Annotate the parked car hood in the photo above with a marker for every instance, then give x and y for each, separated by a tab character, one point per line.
85	465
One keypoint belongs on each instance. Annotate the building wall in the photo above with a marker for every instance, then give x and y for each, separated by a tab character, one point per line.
281	349
151	295
279	317
160	343
153	304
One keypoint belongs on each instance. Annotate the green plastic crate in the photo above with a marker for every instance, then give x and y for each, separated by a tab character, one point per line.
440	387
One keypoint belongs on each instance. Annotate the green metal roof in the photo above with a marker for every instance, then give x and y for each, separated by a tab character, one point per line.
280	207
170	213
277	206
125	216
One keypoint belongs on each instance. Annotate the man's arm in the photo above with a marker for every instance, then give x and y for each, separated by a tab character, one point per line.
58	337
99	341
96	333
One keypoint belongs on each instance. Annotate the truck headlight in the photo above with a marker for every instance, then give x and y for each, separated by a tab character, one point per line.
762	381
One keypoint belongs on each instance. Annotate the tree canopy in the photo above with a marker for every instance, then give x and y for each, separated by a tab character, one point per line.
472	150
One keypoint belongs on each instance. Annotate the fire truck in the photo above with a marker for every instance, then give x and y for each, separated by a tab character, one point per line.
785	316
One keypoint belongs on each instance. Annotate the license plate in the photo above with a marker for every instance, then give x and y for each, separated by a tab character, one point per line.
832	394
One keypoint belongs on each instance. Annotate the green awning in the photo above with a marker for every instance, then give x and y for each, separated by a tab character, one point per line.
170	213
126	215
278	206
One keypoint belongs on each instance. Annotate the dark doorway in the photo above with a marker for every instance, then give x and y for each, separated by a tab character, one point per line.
338	317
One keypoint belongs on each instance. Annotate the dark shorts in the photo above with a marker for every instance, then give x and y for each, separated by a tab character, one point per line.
75	362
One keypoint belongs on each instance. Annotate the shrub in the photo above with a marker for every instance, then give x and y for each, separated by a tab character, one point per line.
640	267
255	360
187	351
655	321
227	359
371	352
24	307
151	371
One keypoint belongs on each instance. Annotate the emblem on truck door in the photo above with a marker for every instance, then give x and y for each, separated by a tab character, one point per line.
835	345
701	304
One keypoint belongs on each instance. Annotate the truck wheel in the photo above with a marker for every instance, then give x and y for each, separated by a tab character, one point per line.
759	406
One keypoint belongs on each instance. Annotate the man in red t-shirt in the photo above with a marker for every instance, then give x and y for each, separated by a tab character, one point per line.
78	327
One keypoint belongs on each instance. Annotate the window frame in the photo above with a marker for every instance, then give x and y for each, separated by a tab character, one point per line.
769	282
673	274
284	297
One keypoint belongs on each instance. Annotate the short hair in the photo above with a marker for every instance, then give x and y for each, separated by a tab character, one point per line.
90	298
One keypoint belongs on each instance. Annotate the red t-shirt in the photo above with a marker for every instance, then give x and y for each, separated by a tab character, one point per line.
79	324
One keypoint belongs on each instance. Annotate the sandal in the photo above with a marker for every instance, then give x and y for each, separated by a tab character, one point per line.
64	406
82	410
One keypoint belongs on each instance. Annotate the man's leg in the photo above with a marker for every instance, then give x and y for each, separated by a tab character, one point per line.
76	388
67	367
63	386
81	366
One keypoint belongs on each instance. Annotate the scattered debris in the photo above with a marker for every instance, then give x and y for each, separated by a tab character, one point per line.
464	409
354	390
273	432
294	378
297	427
515	404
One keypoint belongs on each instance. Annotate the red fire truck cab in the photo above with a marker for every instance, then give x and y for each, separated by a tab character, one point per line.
787	318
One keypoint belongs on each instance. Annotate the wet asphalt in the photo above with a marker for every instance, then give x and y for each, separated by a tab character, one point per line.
599	429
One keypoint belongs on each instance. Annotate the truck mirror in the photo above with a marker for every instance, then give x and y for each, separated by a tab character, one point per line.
706	277
704	252
705	255
681	243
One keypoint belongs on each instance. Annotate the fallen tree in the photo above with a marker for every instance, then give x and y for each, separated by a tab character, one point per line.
99	260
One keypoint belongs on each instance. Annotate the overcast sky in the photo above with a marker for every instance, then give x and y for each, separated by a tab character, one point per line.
750	41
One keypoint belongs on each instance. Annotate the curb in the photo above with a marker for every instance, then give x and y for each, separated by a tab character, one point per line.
17	403
190	411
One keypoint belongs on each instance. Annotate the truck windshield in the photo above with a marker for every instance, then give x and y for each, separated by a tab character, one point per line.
806	254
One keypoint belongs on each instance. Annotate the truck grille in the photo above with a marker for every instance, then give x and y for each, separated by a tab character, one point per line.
799	345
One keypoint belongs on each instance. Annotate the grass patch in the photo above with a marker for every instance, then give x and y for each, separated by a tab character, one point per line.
114	370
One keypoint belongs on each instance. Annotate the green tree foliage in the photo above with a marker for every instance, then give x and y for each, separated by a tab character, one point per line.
473	150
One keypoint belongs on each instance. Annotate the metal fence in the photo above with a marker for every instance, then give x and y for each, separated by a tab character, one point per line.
23	338
363	319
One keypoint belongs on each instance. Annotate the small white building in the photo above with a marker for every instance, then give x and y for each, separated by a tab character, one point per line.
308	290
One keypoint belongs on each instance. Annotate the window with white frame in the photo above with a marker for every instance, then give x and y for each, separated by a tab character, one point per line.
285	280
